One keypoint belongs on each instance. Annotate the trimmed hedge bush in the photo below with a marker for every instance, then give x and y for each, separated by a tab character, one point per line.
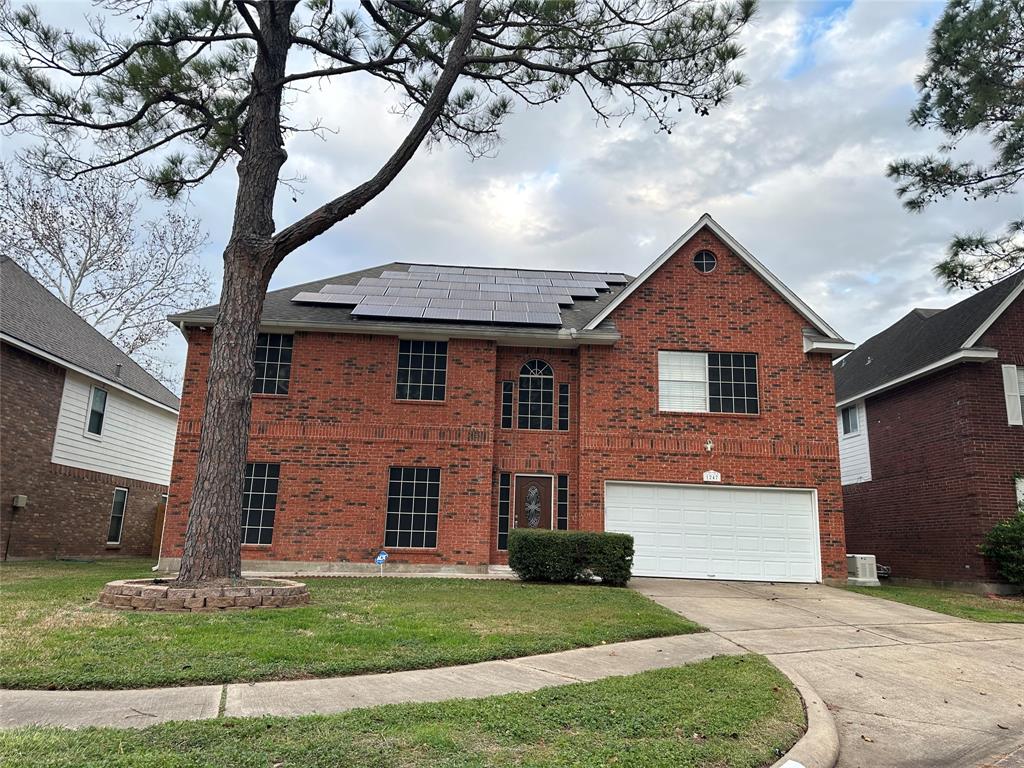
1004	544
567	556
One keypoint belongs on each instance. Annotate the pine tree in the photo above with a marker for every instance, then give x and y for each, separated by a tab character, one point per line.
973	84
201	83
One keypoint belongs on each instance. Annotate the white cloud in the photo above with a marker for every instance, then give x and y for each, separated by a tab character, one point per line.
794	166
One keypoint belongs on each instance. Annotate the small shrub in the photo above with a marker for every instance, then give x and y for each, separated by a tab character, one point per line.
567	556
1004	544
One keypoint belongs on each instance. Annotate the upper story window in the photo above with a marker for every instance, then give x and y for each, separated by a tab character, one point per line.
536	395
422	370
705	261
273	364
708	382
97	411
851	420
1013	389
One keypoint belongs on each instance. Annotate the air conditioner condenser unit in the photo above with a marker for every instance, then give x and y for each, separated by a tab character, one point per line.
861	571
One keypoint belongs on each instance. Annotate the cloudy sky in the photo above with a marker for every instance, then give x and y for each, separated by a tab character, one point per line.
793	167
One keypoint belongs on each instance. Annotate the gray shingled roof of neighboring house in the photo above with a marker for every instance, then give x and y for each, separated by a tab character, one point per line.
32	315
919	339
279	309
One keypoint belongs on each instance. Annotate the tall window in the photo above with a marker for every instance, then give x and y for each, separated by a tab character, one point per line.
708	382
97	411
413	494
273	364
259	502
851	423
117	516
422	370
563	407
506	405
536	395
563	502
504	505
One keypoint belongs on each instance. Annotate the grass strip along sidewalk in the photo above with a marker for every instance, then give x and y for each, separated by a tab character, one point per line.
729	712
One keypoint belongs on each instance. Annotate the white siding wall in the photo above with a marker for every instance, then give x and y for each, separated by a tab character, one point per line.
854	457
137	439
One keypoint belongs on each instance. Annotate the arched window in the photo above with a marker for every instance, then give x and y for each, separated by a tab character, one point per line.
536	395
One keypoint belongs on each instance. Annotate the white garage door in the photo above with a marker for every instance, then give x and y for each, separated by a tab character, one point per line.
702	532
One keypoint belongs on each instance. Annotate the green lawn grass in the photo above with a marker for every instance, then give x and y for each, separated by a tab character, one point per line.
960	604
734	712
53	635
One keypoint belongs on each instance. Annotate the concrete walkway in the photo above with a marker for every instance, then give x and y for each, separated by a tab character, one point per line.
142	708
907	687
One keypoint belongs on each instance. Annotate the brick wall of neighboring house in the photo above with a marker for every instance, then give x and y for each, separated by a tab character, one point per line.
339	428
943	461
68	509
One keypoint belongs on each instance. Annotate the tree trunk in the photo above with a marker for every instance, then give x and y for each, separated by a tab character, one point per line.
213	539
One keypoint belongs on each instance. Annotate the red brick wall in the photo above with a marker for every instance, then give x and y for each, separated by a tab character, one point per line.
339	428
336	434
792	443
943	460
68	509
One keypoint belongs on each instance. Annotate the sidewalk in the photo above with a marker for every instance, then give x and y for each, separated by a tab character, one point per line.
142	708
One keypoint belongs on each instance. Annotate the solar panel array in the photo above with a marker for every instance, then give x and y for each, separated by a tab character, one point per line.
466	294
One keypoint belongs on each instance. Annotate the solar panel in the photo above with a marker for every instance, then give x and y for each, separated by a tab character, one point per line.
432	293
371	310
545	319
327	298
476	315
469	294
440	313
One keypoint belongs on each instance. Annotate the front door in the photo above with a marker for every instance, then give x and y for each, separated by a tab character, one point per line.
533	502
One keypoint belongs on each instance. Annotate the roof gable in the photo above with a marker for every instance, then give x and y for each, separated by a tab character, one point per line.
33	318
744	255
925	340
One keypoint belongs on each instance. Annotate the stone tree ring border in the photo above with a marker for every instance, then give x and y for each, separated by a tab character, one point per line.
147	595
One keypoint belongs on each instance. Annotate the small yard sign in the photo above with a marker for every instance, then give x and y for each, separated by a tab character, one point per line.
712	477
379	560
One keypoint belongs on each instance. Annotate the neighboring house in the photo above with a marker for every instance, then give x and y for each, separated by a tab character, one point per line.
931	435
86	435
427	410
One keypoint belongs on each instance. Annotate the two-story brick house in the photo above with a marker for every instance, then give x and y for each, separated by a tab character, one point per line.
86	435
932	437
427	410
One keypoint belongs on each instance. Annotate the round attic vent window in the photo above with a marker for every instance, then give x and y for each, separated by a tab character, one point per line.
705	261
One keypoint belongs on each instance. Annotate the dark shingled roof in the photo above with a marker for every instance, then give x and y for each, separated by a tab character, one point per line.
922	337
34	316
279	308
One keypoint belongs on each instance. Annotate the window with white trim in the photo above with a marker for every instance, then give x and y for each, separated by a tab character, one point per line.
708	382
1013	388
851	420
117	516
97	411
1020	386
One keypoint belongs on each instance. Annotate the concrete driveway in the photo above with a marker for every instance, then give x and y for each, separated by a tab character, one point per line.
907	687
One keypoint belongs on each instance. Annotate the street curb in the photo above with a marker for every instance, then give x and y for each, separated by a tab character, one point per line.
819	746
